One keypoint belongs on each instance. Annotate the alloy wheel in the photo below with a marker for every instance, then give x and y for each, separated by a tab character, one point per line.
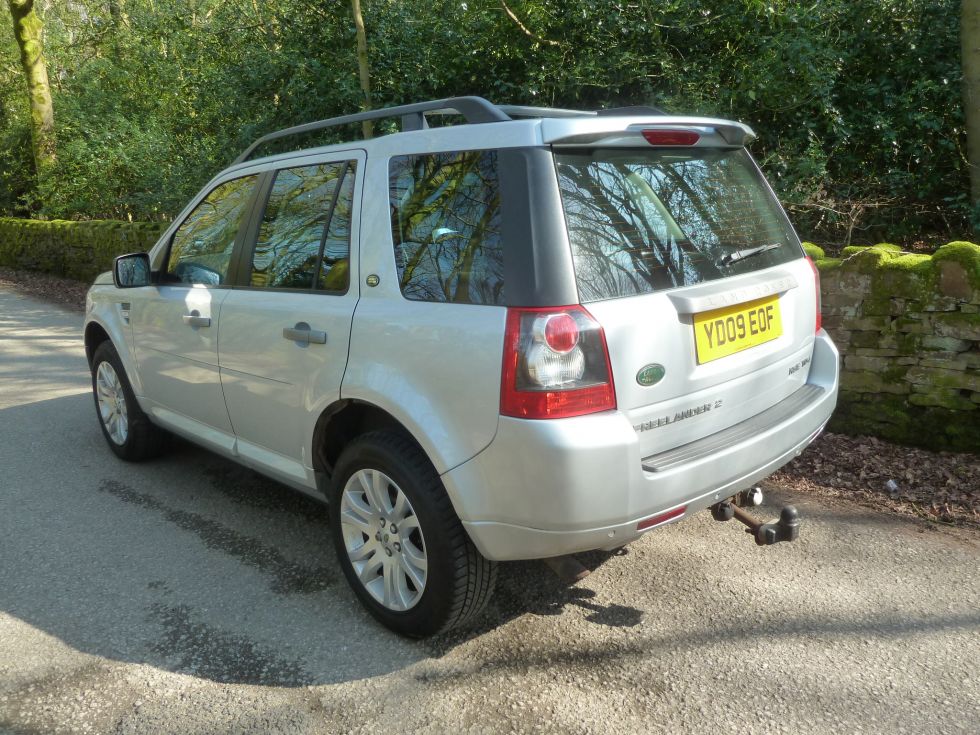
383	539
112	403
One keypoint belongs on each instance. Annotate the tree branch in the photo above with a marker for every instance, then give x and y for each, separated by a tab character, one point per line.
524	29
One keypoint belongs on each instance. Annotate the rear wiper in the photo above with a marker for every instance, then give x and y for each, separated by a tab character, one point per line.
737	255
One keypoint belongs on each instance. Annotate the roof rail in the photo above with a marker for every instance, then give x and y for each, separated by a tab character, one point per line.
474	109
526	111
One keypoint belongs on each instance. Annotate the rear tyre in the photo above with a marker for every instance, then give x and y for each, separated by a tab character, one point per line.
399	541
126	428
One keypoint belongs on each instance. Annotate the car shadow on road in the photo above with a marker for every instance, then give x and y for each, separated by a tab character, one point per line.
193	564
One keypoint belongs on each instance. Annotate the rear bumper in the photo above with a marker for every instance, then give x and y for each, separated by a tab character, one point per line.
546	488
503	541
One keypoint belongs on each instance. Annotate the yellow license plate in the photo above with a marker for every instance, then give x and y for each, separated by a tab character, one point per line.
724	332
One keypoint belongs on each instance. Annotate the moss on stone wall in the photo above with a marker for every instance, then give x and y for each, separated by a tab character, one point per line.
79	250
893	418
908	327
814	251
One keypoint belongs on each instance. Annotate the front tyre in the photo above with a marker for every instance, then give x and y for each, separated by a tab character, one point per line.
126	428
399	541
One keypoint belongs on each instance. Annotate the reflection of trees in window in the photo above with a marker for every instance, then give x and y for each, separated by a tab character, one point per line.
205	240
446	227
335	260
642	222
294	239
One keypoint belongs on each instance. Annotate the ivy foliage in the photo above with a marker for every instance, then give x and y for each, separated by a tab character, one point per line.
856	102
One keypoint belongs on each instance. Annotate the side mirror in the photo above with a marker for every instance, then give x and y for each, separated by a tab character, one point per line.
131	271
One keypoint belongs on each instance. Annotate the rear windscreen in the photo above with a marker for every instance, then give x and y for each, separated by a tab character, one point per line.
641	221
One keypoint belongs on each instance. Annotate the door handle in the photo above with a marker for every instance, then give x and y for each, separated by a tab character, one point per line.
196	320
302	333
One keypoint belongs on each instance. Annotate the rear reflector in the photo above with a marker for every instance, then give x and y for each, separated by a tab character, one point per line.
671	137
662	518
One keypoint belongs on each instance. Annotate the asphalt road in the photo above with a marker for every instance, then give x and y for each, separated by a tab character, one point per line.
187	595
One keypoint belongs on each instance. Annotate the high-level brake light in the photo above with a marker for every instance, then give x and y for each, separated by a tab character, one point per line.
671	137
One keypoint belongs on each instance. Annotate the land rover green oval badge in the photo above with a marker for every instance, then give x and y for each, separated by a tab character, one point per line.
650	374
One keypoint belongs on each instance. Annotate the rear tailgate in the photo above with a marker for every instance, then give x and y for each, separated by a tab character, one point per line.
688	262
653	335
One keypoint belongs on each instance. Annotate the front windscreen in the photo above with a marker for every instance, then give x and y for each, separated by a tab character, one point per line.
641	221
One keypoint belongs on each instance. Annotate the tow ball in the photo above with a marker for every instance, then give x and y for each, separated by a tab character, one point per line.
787	528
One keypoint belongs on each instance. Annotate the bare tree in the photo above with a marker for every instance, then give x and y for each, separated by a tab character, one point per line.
524	29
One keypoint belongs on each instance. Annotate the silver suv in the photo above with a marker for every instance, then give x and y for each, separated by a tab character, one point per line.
534	333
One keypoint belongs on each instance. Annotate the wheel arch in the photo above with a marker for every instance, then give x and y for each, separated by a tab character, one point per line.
343	421
95	334
103	325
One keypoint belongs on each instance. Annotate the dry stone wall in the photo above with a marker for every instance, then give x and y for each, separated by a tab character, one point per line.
79	250
908	328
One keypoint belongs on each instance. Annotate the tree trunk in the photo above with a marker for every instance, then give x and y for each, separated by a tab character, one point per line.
970	50
362	65
27	31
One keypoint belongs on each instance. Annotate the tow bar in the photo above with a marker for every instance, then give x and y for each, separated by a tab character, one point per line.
787	528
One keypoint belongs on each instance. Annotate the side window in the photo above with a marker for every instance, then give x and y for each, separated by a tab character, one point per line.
304	239
201	249
335	263
445	222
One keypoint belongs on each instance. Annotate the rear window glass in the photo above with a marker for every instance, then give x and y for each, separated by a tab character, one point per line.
641	221
445	223
295	244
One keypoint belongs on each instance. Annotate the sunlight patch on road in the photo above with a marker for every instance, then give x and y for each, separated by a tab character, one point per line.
41	353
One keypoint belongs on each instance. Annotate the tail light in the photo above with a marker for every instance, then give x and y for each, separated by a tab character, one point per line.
556	364
816	285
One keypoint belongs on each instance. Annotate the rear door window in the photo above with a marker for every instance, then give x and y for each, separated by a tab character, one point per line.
641	221
304	237
445	222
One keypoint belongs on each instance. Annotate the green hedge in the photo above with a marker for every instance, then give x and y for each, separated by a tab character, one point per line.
79	250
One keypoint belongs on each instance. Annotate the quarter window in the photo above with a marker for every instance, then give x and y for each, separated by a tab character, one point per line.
445	220
304	238
201	250
334	272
